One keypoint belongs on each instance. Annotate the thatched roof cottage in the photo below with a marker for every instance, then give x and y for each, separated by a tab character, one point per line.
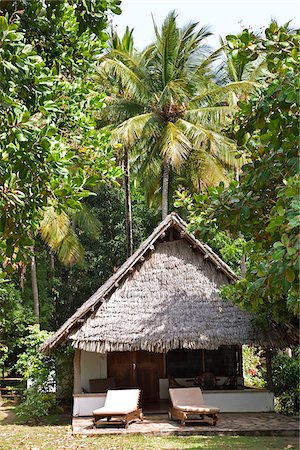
160	318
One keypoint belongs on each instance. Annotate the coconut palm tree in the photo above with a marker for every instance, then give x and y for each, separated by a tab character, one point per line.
118	47
168	111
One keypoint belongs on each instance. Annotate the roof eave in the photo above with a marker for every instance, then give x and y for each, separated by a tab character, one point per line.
113	282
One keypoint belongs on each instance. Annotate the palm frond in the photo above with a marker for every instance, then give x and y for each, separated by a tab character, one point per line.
169	40
203	170
216	144
175	146
191	50
117	110
213	117
56	231
150	178
220	92
131	130
88	222
70	251
129	80
54	227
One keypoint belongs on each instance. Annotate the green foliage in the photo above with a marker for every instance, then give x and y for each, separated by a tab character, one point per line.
264	205
288	402
64	358
32	364
285	376
59	29
14	320
35	406
242	59
230	249
165	109
286	383
254	369
50	153
285	372
39	370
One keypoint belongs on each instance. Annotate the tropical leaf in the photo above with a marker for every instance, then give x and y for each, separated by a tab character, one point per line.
88	222
71	250
165	106
54	227
131	130
220	92
175	146
129	80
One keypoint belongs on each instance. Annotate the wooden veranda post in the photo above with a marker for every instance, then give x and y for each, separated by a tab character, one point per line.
268	354
77	384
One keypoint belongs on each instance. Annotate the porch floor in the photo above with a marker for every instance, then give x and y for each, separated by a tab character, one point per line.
254	424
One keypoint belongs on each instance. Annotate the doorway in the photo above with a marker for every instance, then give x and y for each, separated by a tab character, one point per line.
139	369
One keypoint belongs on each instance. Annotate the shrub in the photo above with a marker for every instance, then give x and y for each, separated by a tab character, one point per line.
254	367
35	406
286	383
288	402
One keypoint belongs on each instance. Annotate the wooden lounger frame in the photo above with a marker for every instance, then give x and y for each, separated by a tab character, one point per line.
119	419
183	416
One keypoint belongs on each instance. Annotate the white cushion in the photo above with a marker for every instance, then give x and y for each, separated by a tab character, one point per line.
120	401
190	399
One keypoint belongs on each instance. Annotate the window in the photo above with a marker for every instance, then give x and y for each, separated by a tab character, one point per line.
183	363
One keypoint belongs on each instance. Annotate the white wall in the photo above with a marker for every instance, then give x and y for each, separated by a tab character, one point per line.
247	400
164	384
93	365
240	400
85	404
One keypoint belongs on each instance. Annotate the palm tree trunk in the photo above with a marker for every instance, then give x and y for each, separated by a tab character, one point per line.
128	212
52	262
165	188
35	291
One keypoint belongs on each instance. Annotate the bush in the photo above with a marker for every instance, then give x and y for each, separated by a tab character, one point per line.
288	402
254	367
35	406
286	383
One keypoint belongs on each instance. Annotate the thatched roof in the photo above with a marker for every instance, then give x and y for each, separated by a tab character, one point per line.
165	296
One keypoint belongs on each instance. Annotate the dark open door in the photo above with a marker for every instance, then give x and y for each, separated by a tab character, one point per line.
149	369
120	366
137	369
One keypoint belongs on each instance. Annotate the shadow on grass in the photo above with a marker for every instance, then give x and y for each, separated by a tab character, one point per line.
8	417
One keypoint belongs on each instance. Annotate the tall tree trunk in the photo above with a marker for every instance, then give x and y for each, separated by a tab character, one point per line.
34	285
52	262
165	189
243	257
128	212
268	355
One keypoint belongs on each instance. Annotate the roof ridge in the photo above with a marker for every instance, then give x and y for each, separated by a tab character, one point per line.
113	281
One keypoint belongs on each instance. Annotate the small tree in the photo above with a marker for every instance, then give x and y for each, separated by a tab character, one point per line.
38	371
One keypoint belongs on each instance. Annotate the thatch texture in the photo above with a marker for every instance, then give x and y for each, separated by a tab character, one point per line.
163	297
170	302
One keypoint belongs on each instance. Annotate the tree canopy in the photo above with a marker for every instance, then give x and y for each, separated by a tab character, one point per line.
75	105
165	106
264	204
51	155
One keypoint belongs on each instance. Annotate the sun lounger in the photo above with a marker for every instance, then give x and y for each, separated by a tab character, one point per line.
121	407
188	406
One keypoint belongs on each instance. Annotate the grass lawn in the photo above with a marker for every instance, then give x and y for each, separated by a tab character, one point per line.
14	436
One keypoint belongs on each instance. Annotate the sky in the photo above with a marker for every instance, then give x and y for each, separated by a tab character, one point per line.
223	17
